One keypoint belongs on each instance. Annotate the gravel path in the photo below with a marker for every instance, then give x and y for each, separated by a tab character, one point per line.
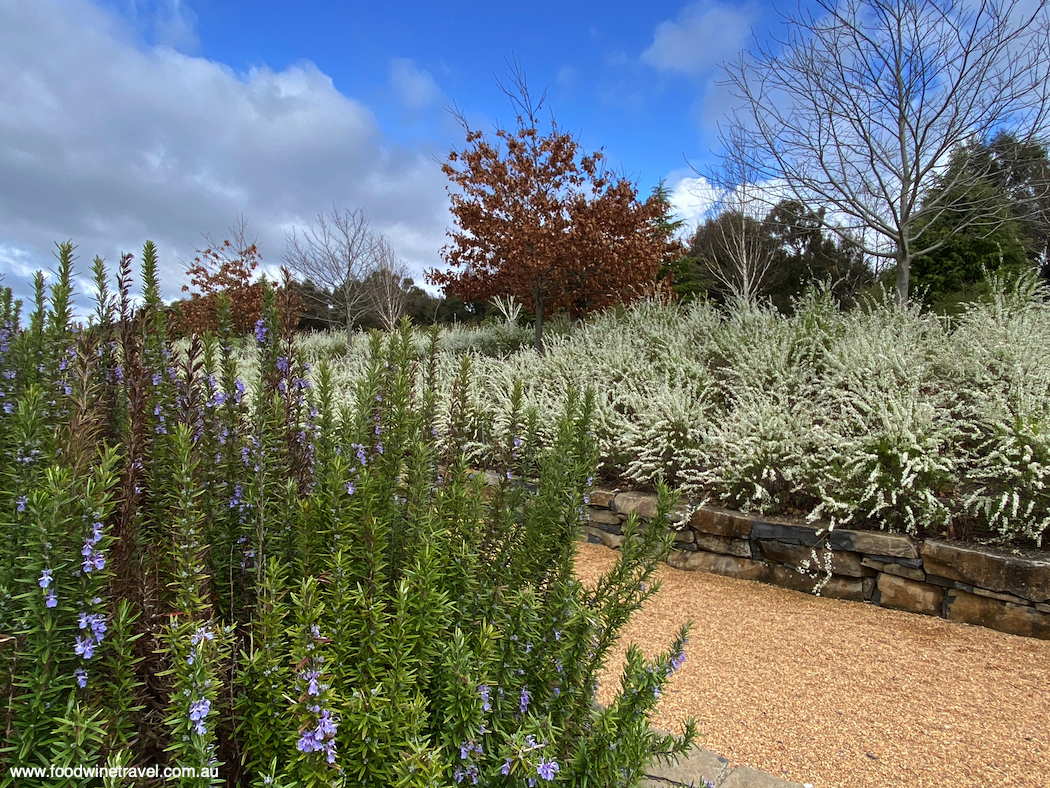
842	694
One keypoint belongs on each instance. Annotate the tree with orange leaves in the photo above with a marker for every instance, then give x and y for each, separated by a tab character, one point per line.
229	268
539	221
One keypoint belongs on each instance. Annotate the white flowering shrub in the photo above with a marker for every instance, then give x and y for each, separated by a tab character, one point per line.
877	417
1012	479
754	457
669	429
890	434
1005	344
892	476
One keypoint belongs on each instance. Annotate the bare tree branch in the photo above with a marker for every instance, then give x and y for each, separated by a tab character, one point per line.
337	254
867	100
740	257
386	290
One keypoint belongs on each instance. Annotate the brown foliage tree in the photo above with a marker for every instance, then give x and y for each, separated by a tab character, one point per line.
539	221
229	267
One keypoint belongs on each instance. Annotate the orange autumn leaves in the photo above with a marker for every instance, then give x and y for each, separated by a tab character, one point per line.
538	220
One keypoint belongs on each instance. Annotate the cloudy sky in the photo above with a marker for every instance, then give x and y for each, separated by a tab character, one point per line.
127	120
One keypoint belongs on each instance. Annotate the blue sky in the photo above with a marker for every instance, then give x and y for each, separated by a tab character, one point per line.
122	121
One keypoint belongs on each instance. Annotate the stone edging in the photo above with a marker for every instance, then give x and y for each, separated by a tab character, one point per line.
700	765
970	585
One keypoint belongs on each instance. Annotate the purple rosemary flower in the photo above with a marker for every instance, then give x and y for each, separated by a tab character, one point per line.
326	723
506	767
311	677
21	504
470	772
45	578
547	769
198	711
81	676
483	690
321	738
350	488
523	703
676	662
50	600
260	331
84	647
96	622
93	559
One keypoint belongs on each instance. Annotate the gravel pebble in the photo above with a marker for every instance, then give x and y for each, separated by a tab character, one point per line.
843	694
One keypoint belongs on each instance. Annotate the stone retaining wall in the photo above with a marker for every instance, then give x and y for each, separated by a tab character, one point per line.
935	578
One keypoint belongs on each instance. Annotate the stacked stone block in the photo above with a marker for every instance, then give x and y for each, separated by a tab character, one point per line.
972	585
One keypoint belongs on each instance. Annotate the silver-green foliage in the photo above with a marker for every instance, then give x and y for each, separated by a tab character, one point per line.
877	416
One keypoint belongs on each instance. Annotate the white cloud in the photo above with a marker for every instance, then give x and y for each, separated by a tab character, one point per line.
414	86
692	198
176	26
109	144
169	23
695	198
567	77
18	262
701	37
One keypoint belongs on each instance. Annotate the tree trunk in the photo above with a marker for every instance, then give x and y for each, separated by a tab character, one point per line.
539	322
903	276
349	330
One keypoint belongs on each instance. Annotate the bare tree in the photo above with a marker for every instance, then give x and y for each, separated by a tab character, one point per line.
386	286
738	252
866	100
337	254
